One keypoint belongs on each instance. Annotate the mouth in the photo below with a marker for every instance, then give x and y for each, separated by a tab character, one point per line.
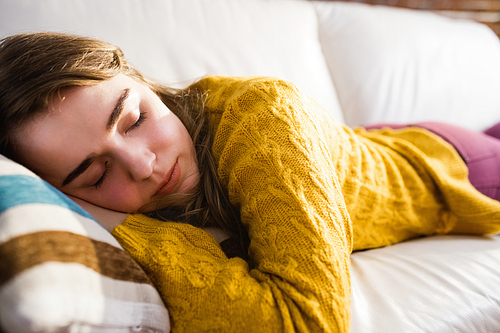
171	178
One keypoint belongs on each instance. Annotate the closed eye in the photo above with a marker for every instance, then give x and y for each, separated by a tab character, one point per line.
140	120
104	174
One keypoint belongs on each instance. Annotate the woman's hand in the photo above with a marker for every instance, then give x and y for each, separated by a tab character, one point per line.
109	219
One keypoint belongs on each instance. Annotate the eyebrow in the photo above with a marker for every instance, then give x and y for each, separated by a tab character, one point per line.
117	111
79	170
113	119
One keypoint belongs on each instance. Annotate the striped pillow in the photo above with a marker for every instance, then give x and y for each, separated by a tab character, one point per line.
61	271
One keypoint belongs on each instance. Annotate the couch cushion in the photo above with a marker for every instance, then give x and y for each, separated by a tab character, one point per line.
179	41
440	284
399	65
60	270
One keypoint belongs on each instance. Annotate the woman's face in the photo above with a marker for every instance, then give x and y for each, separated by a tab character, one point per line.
114	144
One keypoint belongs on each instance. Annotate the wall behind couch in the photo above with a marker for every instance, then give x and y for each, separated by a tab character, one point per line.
484	11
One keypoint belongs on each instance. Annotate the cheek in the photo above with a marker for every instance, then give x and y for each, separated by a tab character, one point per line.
163	131
168	131
120	196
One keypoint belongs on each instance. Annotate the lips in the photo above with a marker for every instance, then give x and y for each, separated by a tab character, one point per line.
171	178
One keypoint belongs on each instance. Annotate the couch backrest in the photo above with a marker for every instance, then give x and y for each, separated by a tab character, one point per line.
365	64
179	41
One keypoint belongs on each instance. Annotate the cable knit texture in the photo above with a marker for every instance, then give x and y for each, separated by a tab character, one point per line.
295	173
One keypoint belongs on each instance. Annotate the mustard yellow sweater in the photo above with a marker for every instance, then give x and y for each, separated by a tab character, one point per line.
309	191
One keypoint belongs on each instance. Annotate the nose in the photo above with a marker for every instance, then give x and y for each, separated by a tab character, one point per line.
139	163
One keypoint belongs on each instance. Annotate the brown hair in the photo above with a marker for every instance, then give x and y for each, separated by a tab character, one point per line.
35	67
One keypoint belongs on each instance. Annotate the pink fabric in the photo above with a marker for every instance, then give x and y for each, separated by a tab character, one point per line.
480	151
494	131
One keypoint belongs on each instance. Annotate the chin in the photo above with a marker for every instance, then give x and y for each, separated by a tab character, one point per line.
174	201
190	184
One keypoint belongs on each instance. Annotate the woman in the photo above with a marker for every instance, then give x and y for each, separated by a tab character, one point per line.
251	156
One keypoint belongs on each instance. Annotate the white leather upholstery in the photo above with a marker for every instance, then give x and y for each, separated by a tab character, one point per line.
433	284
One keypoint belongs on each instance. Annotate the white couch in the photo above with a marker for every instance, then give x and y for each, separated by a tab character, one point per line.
365	64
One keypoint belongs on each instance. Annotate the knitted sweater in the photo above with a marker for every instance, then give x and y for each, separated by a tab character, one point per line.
309	190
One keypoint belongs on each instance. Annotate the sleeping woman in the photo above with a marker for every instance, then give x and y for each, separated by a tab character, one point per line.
241	198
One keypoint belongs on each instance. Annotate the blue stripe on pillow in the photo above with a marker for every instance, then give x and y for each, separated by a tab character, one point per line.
17	190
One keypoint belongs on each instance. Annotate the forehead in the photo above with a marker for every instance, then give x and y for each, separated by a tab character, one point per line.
54	142
88	95
98	93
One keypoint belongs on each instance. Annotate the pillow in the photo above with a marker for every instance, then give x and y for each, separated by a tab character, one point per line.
400	65
61	271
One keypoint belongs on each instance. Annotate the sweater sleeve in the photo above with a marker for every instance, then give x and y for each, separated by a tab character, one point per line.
278	171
